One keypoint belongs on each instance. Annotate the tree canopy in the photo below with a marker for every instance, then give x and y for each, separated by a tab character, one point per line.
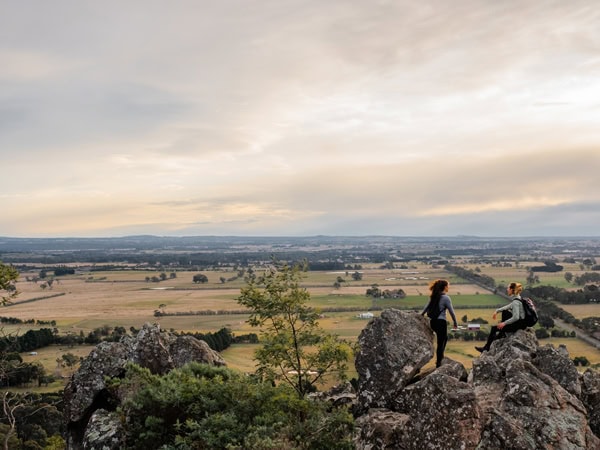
8	279
295	349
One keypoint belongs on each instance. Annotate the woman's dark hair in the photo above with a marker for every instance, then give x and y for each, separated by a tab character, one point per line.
437	288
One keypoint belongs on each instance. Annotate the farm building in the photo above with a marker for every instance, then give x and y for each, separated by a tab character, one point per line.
367	315
473	326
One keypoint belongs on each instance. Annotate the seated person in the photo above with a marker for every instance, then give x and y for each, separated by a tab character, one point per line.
513	316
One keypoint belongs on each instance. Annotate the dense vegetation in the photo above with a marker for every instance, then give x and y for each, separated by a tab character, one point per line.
200	406
204	407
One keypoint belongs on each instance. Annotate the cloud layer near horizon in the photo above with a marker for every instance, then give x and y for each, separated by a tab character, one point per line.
300	117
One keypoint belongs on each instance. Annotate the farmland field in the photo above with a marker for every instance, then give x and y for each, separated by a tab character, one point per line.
83	302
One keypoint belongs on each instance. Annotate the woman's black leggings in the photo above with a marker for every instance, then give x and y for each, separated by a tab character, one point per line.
440	327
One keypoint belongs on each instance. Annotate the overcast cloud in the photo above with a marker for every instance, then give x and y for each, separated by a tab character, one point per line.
289	117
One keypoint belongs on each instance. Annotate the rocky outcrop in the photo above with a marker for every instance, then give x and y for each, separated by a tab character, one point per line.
519	395
89	405
590	395
392	350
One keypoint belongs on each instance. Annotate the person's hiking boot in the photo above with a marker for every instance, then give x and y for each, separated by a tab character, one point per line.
480	349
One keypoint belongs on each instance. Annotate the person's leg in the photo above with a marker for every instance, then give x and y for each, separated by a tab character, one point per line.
505	316
492	336
441	331
512	327
500	334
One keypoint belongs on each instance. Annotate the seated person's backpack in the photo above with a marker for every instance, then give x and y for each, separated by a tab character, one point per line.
531	316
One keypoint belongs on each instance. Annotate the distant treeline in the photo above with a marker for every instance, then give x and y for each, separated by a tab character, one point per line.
470	275
36	339
16	321
35	299
223	338
549	266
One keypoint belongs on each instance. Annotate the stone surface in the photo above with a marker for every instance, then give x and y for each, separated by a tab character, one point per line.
152	348
104	432
393	348
518	395
590	396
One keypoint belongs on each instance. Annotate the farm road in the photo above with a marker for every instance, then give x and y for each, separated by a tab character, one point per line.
581	334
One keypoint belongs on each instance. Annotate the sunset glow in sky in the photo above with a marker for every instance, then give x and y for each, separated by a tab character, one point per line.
289	117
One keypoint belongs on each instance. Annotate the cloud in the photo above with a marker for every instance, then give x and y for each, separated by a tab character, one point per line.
298	117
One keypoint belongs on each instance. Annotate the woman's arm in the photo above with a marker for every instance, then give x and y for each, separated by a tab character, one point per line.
515	312
451	311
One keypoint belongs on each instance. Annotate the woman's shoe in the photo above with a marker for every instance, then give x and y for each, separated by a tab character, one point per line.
480	349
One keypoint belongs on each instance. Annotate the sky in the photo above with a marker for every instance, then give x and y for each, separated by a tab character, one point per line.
299	118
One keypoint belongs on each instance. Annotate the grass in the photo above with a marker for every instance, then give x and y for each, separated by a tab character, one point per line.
126	299
583	311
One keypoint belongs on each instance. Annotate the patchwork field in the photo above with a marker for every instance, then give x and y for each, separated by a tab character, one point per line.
87	301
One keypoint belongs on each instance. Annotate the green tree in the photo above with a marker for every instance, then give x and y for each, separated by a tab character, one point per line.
569	276
200	278
532	278
357	276
70	360
295	349
8	280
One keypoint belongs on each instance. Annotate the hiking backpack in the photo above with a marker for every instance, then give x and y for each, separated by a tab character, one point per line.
531	316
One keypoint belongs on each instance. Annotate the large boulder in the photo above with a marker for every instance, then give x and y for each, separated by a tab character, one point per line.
392	349
590	396
89	402
518	395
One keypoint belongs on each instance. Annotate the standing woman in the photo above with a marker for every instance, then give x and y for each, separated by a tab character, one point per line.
513	316
439	302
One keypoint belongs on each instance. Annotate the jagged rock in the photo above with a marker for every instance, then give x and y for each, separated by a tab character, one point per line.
453	369
530	410
393	348
151	348
443	413
343	394
104	432
380	429
556	363
590	396
517	396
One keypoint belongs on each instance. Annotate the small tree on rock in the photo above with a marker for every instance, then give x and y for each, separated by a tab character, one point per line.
295	349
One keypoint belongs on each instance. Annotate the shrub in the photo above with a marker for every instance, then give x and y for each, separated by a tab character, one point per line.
200	406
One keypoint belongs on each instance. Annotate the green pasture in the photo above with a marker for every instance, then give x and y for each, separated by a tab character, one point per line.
458	301
506	275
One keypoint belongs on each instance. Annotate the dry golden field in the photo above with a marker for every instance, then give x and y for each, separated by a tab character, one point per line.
125	298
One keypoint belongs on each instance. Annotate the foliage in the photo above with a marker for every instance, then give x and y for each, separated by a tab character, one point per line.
29	419
295	348
201	406
549	266
478	278
587	278
8	280
581	360
218	341
375	292
63	270
200	278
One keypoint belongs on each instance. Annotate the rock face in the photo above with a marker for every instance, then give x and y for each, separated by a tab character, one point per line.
392	350
518	395
88	405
